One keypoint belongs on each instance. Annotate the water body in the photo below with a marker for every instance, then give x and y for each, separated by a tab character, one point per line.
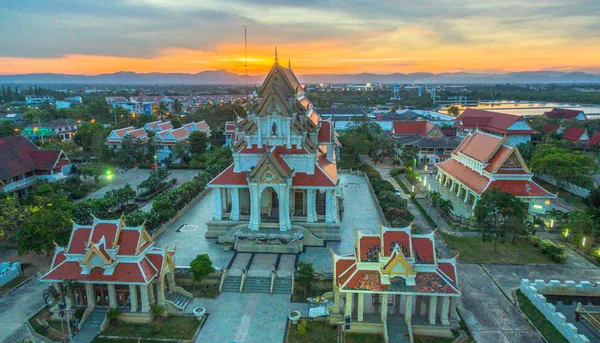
527	108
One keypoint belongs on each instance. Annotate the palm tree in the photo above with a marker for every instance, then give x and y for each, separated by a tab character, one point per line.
446	206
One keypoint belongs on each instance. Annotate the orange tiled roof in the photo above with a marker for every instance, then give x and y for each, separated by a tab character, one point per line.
521	188
470	178
479	146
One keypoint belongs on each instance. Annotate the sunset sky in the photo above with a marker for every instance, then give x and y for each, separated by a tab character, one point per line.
327	36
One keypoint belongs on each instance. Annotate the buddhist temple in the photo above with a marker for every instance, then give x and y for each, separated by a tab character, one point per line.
109	265
394	283
484	161
282	188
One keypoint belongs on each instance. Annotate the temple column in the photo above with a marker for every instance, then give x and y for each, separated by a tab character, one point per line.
235	204
145	300
133	298
311	209
336	300
284	208
432	309
475	201
112	296
151	296
467	196
361	306
254	207
453	186
408	308
348	304
330	206
89	292
445	309
459	191
423	306
384	303
171	280
453	305
218	214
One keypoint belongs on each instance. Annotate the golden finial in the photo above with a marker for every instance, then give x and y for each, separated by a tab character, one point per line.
289	63
276	59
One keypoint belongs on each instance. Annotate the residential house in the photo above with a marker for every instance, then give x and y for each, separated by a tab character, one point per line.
565	114
576	134
39	99
157	126
515	128
22	164
64	129
167	139
484	161
116	137
432	145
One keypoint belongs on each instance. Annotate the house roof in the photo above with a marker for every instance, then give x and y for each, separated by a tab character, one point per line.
574	133
19	156
449	132
325	132
229	177
492	121
165	126
595	138
479	146
550	127
521	188
229	127
470	178
418	127
437	143
562	113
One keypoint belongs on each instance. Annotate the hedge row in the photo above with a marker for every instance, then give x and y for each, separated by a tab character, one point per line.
423	212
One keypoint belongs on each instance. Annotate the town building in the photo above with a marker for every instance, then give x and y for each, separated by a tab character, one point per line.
281	192
39	99
168	138
229	133
484	161
110	265
431	143
22	164
576	134
399	115
515	128
64	129
116	137
565	114
157	126
394	281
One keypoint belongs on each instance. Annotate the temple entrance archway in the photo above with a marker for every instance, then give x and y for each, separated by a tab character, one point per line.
269	205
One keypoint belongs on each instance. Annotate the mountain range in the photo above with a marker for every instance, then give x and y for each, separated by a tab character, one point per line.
225	77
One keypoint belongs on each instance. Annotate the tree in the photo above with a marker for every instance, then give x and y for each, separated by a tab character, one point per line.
198	142
86	134
122	196
498	213
182	151
201	267
11	218
563	165
7	128
129	152
177	106
582	225
155	180
355	144
454	110
409	156
305	276
526	149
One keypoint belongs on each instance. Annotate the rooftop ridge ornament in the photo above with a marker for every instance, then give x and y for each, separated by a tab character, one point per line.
276	58
289	63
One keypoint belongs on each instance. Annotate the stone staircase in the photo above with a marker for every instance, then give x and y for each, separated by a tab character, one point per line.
232	283
256	284
179	299
397	330
91	327
283	285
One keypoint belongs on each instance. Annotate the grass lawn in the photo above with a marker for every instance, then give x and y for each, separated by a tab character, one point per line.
45	314
207	288
428	339
172	327
320	331
320	286
474	249
550	333
565	196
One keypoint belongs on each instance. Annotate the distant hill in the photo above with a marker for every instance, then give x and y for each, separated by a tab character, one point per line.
225	77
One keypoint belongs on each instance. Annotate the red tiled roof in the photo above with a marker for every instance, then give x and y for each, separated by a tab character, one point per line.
595	138
449	132
342	265
108	230
148	269
179	133
423	248
228	177
121	132
449	270
390	237
165	126
479	146
286	168
347	274
58	259
465	175
138	133
124	272
156	260
79	241
491	121
329	168
365	244
128	242
561	113
325	132
229	127
521	188
19	156
574	133
549	127
417	127
319	178
496	161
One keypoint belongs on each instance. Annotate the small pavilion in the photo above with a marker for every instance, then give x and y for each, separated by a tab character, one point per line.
393	283
107	264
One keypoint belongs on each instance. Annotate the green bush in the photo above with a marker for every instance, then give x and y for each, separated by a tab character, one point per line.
556	252
397	171
78	314
78	194
302	327
113	314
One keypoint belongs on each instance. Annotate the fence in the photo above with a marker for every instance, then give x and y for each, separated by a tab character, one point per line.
569	187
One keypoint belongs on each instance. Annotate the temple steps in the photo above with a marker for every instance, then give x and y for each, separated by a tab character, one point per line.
232	284
179	299
397	330
283	285
257	285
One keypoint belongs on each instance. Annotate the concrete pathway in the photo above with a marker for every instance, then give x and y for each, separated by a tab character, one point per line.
91	328
246	317
18	306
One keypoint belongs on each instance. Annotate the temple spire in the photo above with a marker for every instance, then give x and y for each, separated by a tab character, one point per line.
289	63
276	59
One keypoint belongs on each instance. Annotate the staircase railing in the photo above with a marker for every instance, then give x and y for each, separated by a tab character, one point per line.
273	277
243	279
223	276
409	327
293	276
386	338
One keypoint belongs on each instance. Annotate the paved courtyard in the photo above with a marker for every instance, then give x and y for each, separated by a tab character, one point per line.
17	307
